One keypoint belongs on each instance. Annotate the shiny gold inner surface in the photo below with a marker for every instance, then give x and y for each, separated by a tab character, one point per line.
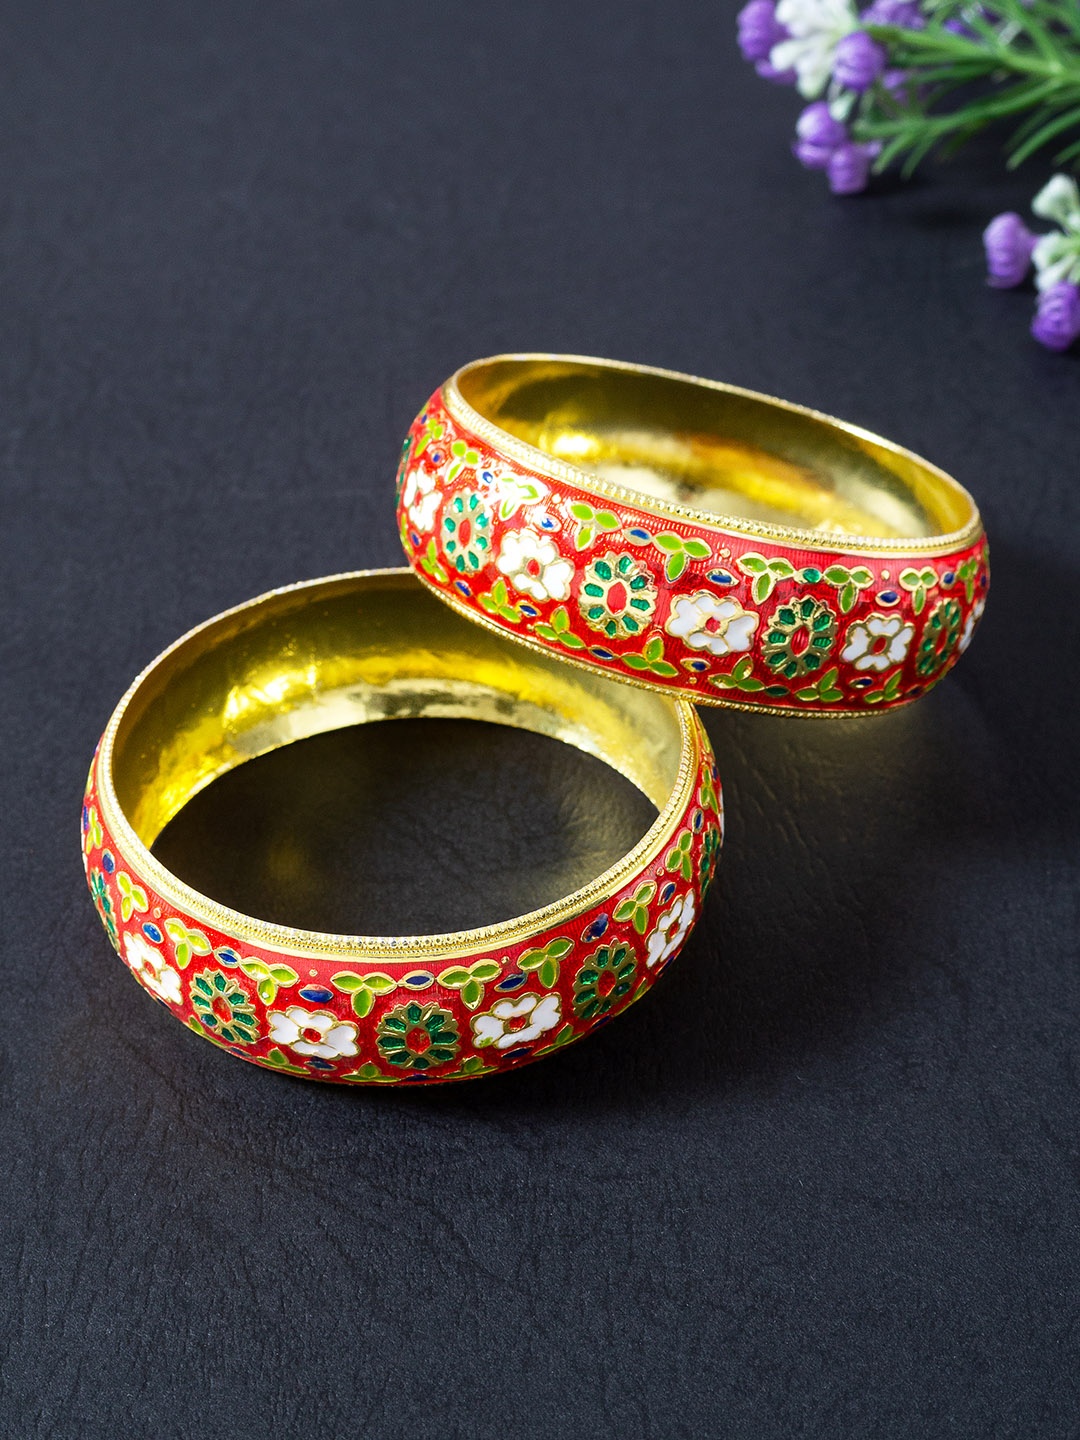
716	449
350	650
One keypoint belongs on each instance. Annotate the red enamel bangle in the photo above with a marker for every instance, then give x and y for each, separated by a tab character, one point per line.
368	1009
690	536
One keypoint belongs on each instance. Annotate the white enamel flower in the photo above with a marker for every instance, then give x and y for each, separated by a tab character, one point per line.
974	616
516	1022
717	623
816	27
533	564
150	965
671	929
313	1032
421	499
878	642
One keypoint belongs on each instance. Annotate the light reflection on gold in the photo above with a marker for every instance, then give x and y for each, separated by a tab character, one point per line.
711	451
350	650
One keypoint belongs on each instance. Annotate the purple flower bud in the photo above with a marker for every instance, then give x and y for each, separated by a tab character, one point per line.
818	135
849	168
896	82
858	61
1057	320
768	71
1008	243
894	12
759	29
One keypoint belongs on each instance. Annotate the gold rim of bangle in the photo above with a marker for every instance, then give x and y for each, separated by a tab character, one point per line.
390	949
545	464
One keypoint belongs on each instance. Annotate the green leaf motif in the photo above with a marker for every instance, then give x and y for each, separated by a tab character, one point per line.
558	632
823	689
470	980
429	561
636	907
544	961
497	602
740	678
363	988
888	692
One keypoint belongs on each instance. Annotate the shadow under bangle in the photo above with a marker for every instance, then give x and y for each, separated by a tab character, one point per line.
691	536
367	1009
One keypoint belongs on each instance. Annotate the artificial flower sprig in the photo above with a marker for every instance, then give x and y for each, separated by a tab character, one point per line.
902	78
1012	250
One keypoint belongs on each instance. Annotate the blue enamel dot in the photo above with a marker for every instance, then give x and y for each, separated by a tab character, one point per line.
227	956
419	980
721	577
512	982
151	931
318	1064
699	819
316	994
949	578
529	611
667	892
108	864
85	818
596	929
517	1052
862	683
547	524
602	654
460	585
887	597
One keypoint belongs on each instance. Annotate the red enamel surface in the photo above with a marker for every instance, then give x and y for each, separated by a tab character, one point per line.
930	606
143	923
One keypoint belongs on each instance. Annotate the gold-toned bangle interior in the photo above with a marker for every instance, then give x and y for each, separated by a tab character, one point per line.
350	650
714	448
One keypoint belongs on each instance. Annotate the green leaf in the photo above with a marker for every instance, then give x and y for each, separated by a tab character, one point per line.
379	983
560	947
454	977
641	919
662	667
583	538
848	596
606	520
283	975
624	910
861	577
548	974
676	565
751	685
472	993
581	511
697	548
654	649
363	1001
837	575
635	662
347	981
255	969
267	991
669	542
762	587
486	970
743	668
752	564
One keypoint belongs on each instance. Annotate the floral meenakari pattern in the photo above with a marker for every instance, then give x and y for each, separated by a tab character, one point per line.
940	637
617	596
466	525
719	617
799	637
418	1037
603	980
392	1020
878	643
223	1007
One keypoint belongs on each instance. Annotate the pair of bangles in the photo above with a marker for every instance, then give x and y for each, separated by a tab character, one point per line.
595	549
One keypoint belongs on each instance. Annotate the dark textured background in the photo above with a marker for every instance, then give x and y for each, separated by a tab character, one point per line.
824	1182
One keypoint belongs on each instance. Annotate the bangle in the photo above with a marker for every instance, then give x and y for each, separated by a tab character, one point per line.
364	1009
690	536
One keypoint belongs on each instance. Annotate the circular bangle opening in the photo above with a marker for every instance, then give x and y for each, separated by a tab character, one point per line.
349	650
715	449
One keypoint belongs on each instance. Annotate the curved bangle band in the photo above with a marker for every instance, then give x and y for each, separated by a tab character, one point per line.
691	536
376	646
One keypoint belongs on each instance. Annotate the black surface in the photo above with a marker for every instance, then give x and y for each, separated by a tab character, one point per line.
825	1181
